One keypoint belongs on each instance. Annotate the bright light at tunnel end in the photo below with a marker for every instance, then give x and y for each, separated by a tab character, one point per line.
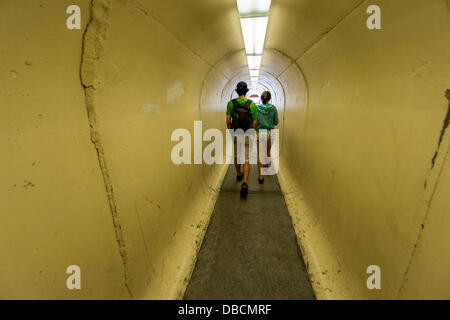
254	17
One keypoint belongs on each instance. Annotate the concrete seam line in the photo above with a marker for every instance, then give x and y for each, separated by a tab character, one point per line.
322	36
225	87
303	77
202	89
292	61
146	13
284	114
93	36
308	109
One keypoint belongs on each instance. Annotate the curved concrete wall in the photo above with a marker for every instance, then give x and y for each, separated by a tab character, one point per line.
87	117
372	178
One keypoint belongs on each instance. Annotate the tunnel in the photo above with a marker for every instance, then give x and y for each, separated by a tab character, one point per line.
87	116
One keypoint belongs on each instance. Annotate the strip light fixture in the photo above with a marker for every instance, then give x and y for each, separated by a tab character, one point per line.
254	16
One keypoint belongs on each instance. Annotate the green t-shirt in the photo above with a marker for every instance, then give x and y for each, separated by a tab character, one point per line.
253	108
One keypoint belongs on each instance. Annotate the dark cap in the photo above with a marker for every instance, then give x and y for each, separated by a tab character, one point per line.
241	88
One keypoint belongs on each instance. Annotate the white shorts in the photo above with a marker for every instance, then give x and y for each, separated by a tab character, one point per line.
245	149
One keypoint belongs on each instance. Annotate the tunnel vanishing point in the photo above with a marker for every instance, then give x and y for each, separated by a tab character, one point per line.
87	115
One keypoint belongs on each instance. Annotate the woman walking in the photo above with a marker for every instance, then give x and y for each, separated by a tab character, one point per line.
267	120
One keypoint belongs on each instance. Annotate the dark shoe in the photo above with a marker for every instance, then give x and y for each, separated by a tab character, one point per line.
244	190
260	181
239	177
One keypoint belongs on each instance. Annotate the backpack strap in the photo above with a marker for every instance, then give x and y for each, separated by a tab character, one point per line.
248	103
235	103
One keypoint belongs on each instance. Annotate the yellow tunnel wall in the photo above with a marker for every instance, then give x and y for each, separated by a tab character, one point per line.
364	113
86	129
86	119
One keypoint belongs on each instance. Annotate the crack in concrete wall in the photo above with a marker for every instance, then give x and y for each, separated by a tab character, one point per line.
444	128
92	43
422	226
429	202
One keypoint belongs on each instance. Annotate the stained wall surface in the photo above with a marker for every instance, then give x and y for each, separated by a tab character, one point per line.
362	145
87	117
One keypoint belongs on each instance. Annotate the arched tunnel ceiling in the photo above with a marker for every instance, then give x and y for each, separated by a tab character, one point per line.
295	25
212	29
234	65
209	28
274	62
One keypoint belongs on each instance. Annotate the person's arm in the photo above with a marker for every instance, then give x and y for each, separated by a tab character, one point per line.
255	124
228	122
229	109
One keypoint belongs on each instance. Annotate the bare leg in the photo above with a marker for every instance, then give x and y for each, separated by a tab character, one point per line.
259	165
238	167
246	171
268	152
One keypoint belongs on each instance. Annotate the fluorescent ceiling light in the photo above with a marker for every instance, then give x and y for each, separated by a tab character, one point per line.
254	73
254	62
253	7
254	31
254	17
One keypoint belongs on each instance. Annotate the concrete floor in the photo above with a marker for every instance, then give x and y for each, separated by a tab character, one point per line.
250	249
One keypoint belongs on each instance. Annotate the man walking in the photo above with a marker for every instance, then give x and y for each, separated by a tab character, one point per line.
242	114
